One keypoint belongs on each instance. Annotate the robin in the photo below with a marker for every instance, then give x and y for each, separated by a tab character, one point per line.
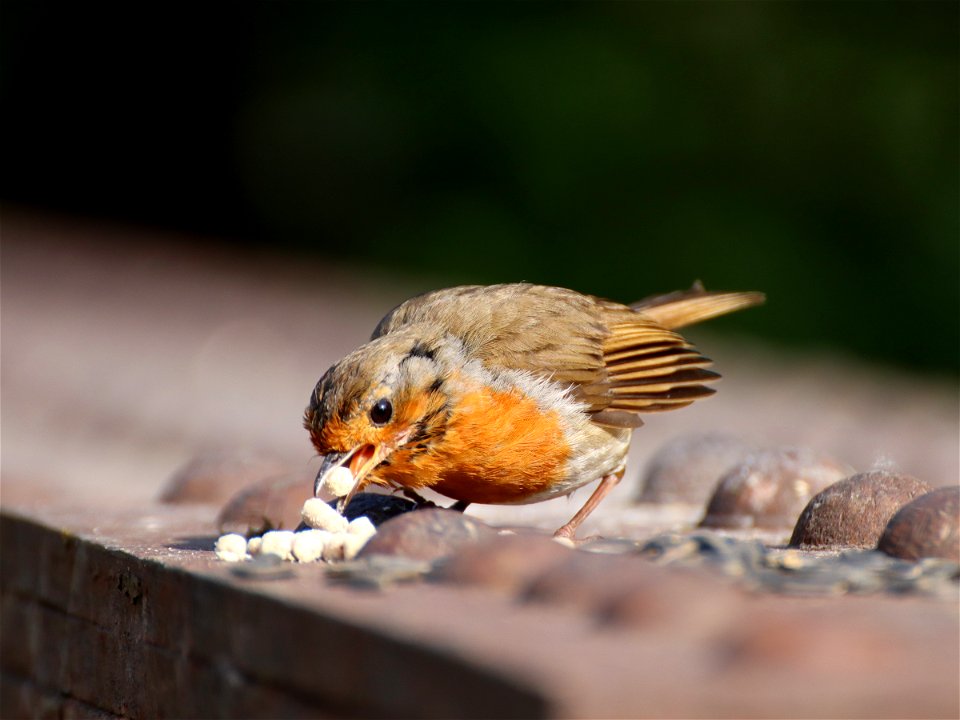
509	394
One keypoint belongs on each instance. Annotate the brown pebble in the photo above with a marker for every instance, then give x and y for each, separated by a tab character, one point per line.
927	527
428	534
770	488
505	562
853	512
273	503
216	476
687	469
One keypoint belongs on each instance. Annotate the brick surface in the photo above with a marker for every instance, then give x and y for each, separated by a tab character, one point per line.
608	636
160	353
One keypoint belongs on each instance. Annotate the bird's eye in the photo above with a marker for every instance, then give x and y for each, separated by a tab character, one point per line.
381	412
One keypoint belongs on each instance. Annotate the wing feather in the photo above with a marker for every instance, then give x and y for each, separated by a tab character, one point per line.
619	361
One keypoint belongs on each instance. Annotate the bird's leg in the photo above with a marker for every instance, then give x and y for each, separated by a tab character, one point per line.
421	501
607	483
459	506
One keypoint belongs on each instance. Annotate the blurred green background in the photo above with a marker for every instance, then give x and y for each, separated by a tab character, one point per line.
807	149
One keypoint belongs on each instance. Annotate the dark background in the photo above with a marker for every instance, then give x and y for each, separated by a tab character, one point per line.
806	149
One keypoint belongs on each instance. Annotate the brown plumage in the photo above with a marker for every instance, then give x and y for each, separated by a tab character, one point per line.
509	393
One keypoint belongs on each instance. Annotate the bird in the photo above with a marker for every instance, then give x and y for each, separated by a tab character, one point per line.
509	394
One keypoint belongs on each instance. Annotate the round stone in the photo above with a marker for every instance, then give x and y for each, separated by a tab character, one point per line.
852	513
927	527
505	562
214	477
770	488
270	504
428	534
687	469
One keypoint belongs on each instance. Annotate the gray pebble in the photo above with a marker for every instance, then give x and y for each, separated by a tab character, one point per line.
789	571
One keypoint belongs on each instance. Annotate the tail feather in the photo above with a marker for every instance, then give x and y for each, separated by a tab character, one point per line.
686	307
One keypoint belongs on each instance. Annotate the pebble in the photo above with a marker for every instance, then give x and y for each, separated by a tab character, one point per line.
273	503
770	488
854	512
687	469
264	567
609	546
504	562
379	571
790	571
927	527
427	534
216	476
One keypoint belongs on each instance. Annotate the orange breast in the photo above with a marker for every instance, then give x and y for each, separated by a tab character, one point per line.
498	447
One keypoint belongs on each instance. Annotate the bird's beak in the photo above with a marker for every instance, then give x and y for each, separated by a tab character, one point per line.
359	461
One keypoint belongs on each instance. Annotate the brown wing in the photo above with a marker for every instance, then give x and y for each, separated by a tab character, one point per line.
686	307
546	330
619	362
651	369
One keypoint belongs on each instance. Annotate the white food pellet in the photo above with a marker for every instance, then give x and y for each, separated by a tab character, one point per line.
353	544
231	548
278	542
308	545
333	549
253	545
339	481
362	526
317	514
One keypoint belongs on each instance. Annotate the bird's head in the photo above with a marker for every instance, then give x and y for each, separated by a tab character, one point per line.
372	402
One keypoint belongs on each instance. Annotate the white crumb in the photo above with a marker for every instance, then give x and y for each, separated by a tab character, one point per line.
362	527
353	544
320	516
338	482
308	545
329	537
231	547
333	549
278	542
